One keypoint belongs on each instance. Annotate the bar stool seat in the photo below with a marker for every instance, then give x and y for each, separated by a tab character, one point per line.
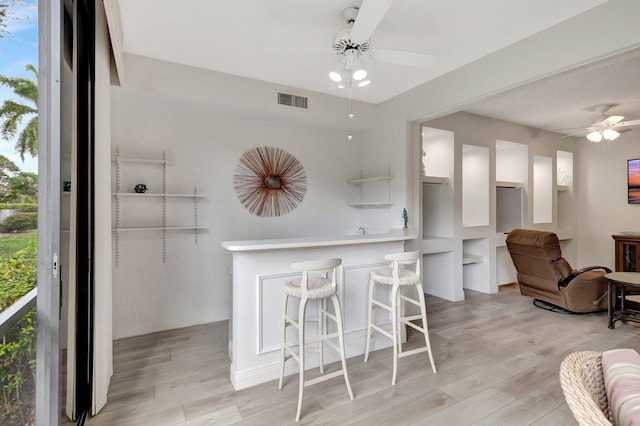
317	288
398	276
318	282
385	276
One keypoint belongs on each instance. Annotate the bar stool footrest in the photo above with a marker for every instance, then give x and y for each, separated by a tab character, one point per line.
323	378
410	300
382	331
412	352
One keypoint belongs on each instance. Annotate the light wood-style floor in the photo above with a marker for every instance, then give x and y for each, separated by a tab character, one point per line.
497	355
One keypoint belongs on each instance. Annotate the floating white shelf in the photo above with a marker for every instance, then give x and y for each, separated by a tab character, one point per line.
506	184
435	180
371	205
370	179
468	259
135	194
143	161
160	228
562	188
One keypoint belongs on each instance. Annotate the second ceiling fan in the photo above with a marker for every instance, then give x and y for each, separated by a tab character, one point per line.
607	128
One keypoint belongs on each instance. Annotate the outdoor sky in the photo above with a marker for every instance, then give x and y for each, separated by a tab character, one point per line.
18	49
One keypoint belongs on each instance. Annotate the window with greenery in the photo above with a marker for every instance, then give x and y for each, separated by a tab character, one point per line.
18	204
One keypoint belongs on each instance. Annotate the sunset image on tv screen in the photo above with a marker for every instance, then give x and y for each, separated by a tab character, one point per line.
634	181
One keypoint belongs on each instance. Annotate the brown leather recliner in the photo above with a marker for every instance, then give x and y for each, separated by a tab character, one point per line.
545	275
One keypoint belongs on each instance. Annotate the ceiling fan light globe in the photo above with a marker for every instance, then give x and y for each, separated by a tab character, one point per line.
595	136
364	83
610	134
335	76
338	73
359	74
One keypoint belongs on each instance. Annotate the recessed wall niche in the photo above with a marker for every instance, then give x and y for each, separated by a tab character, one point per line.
476	268
542	189
475	185
564	186
437	183
511	182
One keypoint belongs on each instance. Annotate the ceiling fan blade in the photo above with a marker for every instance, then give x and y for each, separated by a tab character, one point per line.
566	129
570	135
401	57
297	50
610	121
630	123
369	16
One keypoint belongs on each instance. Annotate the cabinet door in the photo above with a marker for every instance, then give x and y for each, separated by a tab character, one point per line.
628	256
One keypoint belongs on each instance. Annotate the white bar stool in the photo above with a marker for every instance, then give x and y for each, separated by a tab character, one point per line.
397	277
318	282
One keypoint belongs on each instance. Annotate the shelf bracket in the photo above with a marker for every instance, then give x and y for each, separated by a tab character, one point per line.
118	207
195	212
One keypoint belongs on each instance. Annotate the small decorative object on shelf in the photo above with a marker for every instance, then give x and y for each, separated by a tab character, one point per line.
66	186
405	216
141	188
424	163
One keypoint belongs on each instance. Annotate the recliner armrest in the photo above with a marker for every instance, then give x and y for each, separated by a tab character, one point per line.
566	280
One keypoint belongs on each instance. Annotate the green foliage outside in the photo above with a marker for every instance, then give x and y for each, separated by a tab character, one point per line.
18	270
13	112
23	207
16	186
3	17
12	244
18	252
17	348
20	222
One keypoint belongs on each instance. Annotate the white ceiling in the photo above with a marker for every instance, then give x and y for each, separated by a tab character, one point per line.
285	42
567	100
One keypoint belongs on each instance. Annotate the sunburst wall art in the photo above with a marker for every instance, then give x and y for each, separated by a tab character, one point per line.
269	181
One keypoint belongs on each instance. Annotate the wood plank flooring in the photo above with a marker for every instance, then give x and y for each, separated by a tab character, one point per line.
497	356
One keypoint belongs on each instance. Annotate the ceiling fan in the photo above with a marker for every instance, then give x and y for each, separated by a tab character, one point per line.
353	43
607	128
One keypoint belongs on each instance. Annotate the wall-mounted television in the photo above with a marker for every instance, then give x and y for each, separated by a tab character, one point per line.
633	181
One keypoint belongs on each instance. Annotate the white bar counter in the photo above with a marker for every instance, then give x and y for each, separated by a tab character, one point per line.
260	268
306	242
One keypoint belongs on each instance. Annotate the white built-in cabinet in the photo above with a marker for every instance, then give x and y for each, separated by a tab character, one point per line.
473	195
150	211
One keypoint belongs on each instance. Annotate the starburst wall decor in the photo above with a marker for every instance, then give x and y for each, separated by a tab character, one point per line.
269	181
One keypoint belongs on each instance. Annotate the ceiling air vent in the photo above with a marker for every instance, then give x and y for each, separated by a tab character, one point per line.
292	100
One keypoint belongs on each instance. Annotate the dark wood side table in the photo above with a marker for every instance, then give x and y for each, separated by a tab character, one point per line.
627	252
619	283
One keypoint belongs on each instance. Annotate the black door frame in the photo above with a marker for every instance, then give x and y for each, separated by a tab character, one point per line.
85	83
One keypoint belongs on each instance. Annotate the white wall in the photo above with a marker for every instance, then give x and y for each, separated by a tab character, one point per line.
205	141
602	197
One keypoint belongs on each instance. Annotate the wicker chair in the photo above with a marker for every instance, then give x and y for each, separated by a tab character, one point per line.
583	387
